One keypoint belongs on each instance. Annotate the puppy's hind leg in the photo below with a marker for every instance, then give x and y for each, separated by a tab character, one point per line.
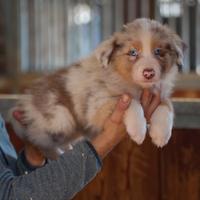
135	122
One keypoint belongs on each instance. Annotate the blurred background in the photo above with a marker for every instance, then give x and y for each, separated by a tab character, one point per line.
39	36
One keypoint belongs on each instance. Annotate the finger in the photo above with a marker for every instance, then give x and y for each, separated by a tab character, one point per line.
121	107
146	98
156	100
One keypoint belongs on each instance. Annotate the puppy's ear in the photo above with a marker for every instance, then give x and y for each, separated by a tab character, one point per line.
104	51
180	48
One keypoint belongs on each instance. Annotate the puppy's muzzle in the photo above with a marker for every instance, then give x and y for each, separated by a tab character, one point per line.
149	73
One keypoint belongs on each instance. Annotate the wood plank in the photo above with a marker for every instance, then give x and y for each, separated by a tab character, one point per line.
127	174
180	166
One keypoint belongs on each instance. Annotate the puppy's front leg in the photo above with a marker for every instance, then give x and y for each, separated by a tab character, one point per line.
135	122
161	123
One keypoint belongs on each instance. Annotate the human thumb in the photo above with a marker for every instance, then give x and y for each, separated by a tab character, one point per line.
122	105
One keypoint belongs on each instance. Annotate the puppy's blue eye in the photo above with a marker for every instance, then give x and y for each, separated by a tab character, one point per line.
133	52
157	51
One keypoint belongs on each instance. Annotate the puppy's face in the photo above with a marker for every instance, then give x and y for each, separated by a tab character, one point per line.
143	52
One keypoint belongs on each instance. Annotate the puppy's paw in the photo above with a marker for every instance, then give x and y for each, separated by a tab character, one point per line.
137	135
135	122
161	126
17	118
159	136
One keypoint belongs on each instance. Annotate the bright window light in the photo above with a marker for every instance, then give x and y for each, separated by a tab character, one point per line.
82	14
170	9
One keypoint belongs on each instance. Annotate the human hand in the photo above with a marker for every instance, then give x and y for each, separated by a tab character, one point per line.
33	155
115	122
114	130
150	101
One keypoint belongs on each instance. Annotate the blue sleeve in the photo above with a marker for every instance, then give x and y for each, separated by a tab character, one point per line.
5	143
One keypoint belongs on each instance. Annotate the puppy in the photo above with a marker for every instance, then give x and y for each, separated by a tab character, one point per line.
76	101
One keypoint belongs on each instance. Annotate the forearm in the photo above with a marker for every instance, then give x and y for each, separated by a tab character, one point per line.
60	179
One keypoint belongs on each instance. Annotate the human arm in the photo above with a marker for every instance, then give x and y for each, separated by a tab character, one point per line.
63	178
59	179
73	170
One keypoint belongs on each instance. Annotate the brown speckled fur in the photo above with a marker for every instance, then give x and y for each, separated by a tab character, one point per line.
84	94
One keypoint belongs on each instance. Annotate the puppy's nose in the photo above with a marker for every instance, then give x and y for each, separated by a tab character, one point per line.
148	73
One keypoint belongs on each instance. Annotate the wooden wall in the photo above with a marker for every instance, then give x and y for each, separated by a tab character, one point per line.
133	172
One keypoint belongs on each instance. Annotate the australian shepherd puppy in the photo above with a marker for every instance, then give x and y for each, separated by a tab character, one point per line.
76	101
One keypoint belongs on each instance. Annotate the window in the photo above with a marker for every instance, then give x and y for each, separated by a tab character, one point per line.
56	33
184	18
39	36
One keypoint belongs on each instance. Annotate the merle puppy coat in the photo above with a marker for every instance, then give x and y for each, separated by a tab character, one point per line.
76	101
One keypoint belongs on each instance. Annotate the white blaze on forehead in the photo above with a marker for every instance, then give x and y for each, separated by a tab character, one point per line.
146	42
145	37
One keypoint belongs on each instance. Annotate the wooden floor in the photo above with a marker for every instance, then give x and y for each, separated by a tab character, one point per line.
145	172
